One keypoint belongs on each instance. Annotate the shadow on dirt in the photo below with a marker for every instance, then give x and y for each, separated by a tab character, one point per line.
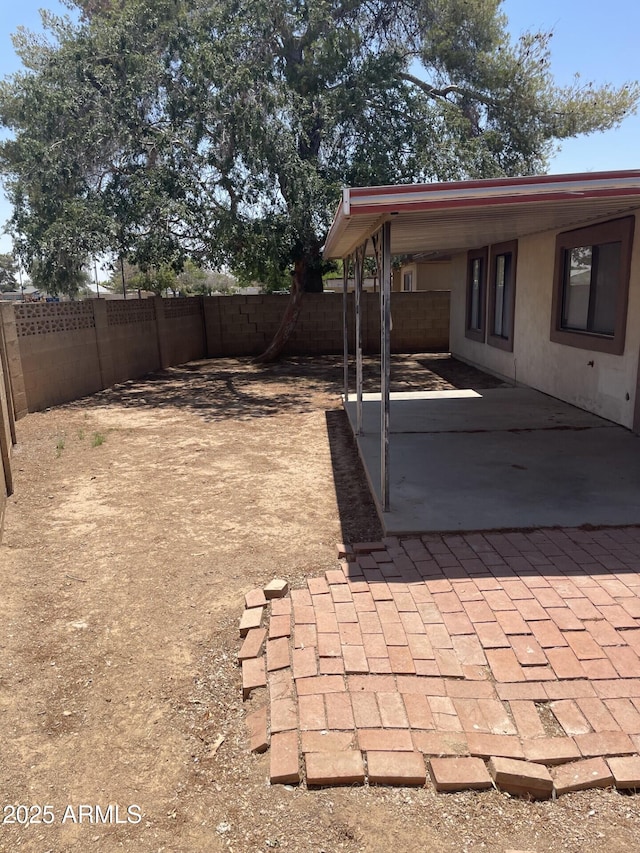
222	389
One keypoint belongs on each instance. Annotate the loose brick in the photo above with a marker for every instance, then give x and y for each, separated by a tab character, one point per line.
385	740
581	775
250	619
329	645
284	759
512	622
320	684
343	767
253	676
278	656
617	616
305	636
284	714
583	645
317	586
485	745
365	710
448	663
565	664
392	711
396	768
279	626
339	711
534	691
394	633
491	636
331	666
333	576
569	689
440	743
470	689
527	719
312	712
281	607
459	774
401	659
626	772
504	665
255	598
281	684
626	715
547	634
252	645
599	717
324	741
496	716
277	588
528	651
599	669
551	750
572	720
303	614
522	778
304	663
604	743
355	660
619	688
625	660
257	727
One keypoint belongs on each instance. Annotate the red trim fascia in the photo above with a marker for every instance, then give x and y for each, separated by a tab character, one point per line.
535	180
489	201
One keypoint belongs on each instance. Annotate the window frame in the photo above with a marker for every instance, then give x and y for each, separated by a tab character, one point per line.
504	342
481	255
613	231
408	275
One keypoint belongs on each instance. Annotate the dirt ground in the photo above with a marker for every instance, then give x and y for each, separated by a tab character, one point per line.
140	518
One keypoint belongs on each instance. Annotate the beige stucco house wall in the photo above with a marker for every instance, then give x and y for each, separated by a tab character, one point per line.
601	383
425	275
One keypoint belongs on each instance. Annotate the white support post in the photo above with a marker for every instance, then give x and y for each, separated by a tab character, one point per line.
385	359
359	271
345	331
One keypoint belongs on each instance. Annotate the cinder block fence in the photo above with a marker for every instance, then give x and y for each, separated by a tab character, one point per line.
58	352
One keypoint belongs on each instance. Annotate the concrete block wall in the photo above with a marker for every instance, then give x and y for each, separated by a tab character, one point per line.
58	352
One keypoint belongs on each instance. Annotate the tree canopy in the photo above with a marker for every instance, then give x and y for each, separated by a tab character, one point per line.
222	130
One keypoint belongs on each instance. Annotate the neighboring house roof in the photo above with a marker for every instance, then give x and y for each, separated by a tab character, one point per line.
463	215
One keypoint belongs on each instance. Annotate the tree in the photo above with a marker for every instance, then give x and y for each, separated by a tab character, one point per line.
223	130
8	273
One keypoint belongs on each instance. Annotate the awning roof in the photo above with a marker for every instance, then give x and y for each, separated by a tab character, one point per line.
461	215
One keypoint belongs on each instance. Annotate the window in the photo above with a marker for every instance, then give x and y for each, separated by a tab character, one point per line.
407	281
502	294
591	283
476	294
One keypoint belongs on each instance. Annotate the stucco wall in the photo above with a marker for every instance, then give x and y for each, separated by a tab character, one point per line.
559	370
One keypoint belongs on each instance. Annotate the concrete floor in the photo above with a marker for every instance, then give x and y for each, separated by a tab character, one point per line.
500	458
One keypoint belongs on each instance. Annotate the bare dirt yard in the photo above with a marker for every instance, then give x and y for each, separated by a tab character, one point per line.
141	517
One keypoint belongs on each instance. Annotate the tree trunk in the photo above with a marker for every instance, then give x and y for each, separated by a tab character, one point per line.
307	278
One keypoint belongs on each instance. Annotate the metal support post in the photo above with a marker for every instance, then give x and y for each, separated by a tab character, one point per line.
345	332
385	358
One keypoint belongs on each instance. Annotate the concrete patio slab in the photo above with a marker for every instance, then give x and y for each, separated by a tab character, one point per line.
500	458
436	666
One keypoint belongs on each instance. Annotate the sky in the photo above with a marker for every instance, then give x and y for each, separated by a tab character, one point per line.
602	47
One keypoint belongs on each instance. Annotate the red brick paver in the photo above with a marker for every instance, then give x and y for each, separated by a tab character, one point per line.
517	653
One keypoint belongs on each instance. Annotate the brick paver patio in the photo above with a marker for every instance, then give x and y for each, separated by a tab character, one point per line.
460	661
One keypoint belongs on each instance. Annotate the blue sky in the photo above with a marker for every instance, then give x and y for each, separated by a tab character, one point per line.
601	45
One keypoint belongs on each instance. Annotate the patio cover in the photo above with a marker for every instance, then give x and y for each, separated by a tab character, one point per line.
462	215
445	218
